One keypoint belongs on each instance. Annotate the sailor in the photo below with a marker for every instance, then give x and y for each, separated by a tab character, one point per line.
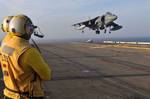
23	66
4	27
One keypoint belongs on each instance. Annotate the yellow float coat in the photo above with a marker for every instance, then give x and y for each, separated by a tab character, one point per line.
23	67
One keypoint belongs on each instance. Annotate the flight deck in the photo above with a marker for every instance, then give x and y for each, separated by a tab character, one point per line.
97	71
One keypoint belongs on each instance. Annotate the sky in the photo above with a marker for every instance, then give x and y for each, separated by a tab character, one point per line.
55	17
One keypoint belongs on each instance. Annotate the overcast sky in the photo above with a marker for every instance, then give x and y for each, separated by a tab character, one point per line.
55	17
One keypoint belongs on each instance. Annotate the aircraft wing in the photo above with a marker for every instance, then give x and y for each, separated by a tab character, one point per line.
87	23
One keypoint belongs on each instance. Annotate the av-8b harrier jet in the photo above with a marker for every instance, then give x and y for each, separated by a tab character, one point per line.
100	23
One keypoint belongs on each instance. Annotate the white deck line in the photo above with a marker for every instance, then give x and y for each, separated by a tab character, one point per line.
119	42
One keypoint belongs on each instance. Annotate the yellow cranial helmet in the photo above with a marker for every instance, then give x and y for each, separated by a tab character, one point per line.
5	24
20	25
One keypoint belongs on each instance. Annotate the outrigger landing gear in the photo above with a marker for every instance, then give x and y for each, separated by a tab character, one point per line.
109	32
82	31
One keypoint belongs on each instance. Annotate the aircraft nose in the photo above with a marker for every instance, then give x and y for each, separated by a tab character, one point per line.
115	17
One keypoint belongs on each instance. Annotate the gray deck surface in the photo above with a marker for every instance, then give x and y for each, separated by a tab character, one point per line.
97	71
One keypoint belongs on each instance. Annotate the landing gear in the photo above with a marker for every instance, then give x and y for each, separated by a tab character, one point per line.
105	31
82	31
97	32
109	29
